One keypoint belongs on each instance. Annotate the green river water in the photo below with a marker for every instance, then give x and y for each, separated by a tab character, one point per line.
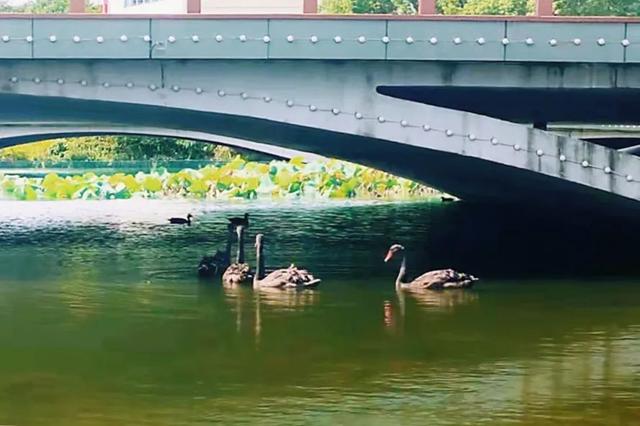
103	321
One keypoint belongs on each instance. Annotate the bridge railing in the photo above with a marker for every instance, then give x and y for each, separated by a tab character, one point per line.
425	7
317	37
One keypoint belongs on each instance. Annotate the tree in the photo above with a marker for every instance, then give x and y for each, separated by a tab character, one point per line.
523	7
94	148
337	6
48	6
149	147
486	7
399	7
5	7
597	7
122	148
45	6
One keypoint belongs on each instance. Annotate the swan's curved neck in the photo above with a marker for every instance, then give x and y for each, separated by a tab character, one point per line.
402	272
259	265
240	255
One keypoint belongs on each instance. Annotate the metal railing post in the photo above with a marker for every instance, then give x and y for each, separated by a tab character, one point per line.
310	6
544	7
426	7
194	6
76	6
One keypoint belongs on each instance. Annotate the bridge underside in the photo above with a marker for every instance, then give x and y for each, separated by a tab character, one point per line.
332	109
470	178
530	104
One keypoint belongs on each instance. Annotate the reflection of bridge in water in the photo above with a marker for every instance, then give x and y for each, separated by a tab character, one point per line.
447	102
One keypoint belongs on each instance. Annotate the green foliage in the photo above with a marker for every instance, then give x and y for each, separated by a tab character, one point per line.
45	6
523	7
98	148
110	148
235	179
48	6
597	7
5	7
337	6
385	6
370	6
148	147
33	151
486	7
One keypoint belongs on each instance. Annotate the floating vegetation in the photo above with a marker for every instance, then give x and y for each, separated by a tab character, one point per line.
237	178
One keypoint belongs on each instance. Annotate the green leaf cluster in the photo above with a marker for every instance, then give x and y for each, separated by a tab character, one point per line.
236	178
398	7
45	6
118	148
597	7
487	7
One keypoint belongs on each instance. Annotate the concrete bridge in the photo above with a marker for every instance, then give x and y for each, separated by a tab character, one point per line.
446	101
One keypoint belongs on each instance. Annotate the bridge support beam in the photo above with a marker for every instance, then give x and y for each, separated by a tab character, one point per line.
544	7
194	6
310	6
76	6
427	7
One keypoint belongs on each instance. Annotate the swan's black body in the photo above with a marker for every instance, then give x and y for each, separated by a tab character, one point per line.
240	221
211	266
181	220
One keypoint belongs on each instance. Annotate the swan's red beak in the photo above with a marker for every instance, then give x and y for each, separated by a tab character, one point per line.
388	256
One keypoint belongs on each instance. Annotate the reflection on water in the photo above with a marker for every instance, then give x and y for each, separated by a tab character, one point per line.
440	300
102	320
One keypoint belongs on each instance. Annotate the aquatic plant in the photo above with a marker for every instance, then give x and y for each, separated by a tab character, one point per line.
236	178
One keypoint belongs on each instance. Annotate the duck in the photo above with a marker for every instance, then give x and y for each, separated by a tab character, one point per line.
211	266
443	279
291	277
181	220
238	272
240	221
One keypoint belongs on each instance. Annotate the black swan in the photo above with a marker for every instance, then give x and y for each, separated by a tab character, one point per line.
443	279
239	271
240	221
211	266
291	277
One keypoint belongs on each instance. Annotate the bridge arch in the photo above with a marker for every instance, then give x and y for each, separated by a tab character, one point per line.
330	109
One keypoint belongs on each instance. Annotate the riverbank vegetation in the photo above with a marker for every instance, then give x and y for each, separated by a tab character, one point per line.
235	179
486	7
118	148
